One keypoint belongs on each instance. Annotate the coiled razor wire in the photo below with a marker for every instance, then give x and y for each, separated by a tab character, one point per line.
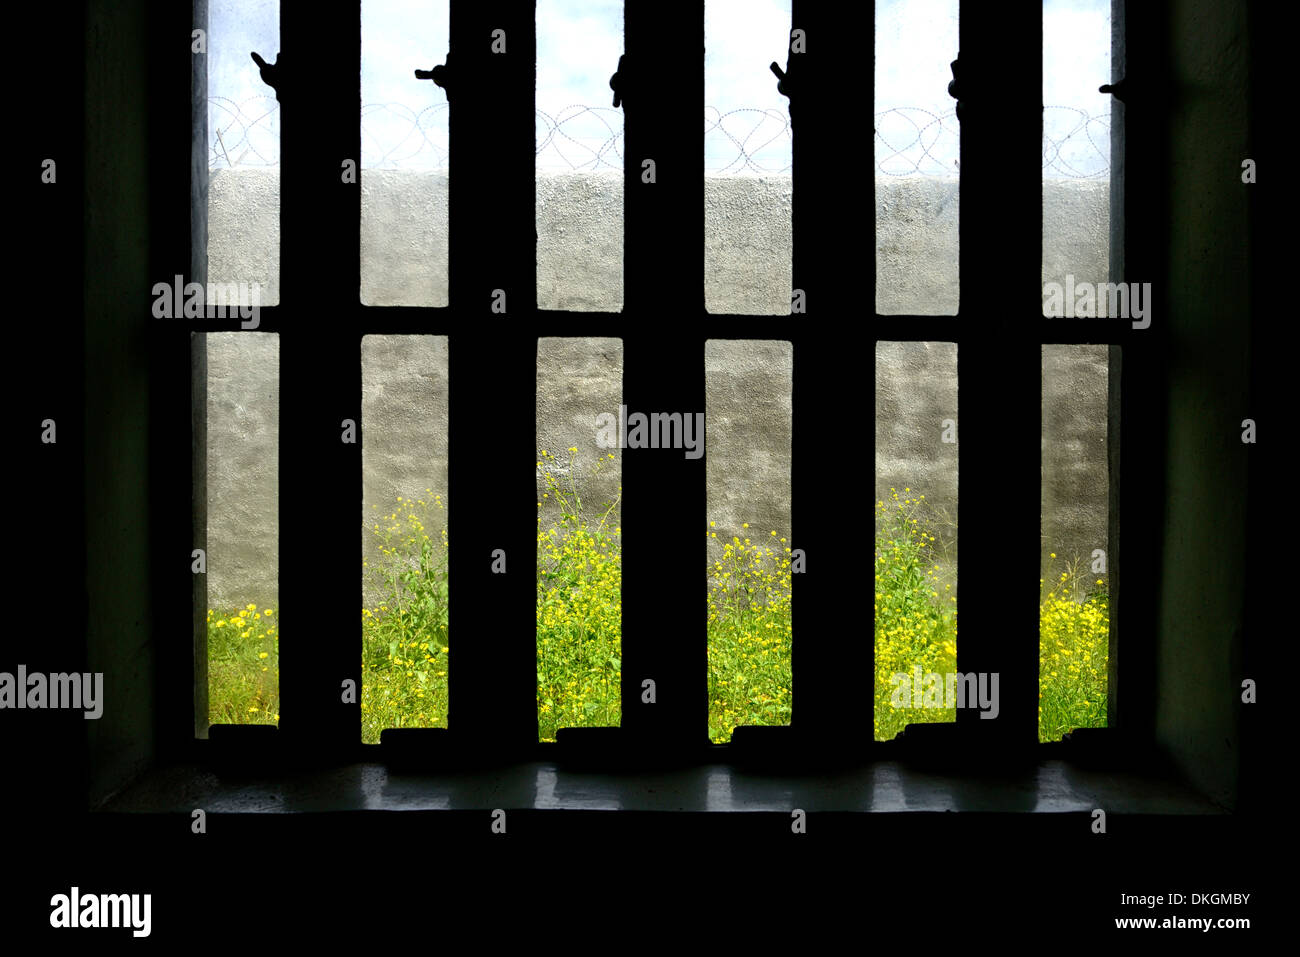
908	140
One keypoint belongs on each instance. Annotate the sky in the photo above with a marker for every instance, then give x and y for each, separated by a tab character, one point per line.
916	128
746	132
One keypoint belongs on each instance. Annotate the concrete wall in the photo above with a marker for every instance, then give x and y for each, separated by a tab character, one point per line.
916	391
1203	584
244	229
404	417
578	380
748	414
579	223
916	241
120	639
243	469
1074	491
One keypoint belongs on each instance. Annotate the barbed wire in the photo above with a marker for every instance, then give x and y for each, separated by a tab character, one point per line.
414	143
750	131
1087	137
908	140
600	148
251	126
912	140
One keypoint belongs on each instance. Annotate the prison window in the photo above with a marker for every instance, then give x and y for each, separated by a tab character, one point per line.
752	391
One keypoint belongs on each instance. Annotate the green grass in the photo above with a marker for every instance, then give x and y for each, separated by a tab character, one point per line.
579	604
405	652
915	611
244	666
1074	648
749	633
916	624
404	649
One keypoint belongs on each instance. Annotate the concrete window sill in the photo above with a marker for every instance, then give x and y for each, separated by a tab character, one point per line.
1051	787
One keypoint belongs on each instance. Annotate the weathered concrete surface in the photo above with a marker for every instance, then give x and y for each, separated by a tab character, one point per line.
1076	230
404	401
1075	489
577	381
917	241
748	415
916	391
579	219
916	245
244	229
747	244
243	469
403	238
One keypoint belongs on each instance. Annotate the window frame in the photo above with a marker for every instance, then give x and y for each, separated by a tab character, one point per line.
492	685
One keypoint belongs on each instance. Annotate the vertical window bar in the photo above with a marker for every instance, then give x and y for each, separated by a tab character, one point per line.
662	78
492	510
1118	166
198	372
172	584
320	384
1139	379
999	365
831	700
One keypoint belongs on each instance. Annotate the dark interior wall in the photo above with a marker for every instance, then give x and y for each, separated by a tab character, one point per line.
123	627
43	752
1201	598
1204	536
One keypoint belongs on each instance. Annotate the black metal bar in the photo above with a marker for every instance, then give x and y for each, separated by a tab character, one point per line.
833	666
1137	490
999	368
664	491
491	459
1115	364
320	384
173	189
45	392
198	375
